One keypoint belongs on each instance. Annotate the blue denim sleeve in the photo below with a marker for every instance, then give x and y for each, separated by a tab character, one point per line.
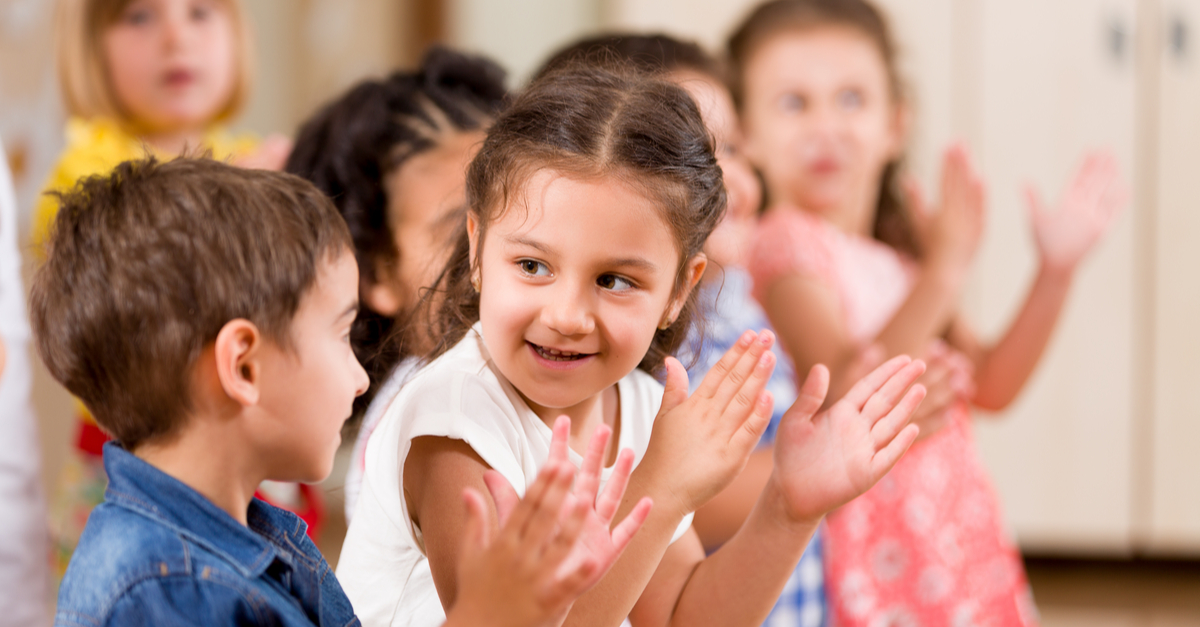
187	602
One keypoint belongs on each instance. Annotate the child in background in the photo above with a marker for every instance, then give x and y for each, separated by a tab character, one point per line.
841	260
392	155
138	77
573	280
24	571
242	372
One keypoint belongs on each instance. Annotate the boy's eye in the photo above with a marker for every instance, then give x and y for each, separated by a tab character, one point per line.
850	99
792	102
613	282
533	268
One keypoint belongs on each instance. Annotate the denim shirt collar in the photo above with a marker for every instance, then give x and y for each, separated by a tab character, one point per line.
138	486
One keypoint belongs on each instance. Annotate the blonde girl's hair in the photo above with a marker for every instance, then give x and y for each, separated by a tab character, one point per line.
83	74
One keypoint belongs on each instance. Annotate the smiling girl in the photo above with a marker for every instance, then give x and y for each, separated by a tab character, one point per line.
572	282
138	76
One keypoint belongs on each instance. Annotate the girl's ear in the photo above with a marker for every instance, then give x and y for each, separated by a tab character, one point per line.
473	247
692	274
238	351
383	297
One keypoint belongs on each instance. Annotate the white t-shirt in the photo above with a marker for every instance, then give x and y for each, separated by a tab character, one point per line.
358	456
460	395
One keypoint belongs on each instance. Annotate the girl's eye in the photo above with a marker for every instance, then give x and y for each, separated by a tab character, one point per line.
792	102
614	283
728	149
201	11
850	99
137	16
533	268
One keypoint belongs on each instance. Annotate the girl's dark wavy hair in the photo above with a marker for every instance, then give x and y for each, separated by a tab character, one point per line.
586	120
353	143
893	218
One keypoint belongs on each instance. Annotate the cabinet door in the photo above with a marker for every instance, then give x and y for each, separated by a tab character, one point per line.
1174	463
1057	78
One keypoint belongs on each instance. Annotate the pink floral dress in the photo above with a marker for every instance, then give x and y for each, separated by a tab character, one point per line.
927	546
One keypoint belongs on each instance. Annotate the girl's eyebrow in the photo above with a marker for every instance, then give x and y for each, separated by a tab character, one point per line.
525	241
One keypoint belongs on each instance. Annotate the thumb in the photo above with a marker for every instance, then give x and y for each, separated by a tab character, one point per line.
811	396
475	539
503	495
675	390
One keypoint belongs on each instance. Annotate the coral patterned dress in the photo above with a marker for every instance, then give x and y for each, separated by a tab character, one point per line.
926	547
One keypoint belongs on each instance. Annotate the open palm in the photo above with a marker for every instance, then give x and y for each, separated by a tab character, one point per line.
824	460
1091	202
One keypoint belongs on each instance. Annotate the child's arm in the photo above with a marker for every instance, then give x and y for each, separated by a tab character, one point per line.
532	572
807	313
821	461
1064	237
433	472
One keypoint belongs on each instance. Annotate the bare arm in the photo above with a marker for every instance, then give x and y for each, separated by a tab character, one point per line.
717	521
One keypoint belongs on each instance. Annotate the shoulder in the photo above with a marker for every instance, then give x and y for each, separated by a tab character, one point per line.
127	563
790	240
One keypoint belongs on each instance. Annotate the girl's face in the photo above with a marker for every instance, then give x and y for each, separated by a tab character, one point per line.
728	243
426	199
820	120
171	63
577	274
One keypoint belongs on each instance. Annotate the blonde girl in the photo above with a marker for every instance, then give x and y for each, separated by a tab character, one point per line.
588	206
138	76
843	259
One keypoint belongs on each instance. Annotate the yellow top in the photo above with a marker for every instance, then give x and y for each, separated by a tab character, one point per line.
97	146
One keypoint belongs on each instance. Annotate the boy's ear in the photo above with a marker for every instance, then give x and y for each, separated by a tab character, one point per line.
692	274
237	351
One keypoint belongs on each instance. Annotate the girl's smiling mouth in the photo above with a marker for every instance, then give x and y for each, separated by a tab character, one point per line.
558	359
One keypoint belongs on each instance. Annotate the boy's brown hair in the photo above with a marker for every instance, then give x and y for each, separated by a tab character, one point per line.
146	265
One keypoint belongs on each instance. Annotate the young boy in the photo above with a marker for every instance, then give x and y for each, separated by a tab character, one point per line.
202	313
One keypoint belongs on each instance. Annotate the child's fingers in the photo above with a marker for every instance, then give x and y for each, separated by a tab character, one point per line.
544	514
882	401
550	474
588	482
890	425
625	530
749	376
675	390
716	375
812	394
503	495
886	458
558	439
476	538
614	490
751	431
868	385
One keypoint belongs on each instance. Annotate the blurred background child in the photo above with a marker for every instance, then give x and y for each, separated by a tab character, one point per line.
23	568
392	154
138	76
841	259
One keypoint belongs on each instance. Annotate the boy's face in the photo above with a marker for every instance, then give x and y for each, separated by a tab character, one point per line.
307	391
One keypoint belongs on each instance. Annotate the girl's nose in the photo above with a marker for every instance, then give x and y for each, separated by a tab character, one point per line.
568	311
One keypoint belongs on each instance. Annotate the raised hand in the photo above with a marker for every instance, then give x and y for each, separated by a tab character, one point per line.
598	543
1085	212
951	234
700	443
824	460
515	579
949	378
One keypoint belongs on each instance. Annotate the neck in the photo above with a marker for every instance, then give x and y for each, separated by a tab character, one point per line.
201	457
586	417
853	214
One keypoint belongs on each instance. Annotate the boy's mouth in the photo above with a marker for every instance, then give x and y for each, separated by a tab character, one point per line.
551	354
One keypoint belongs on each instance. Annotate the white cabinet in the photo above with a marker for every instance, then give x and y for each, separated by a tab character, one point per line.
1174	464
1055	79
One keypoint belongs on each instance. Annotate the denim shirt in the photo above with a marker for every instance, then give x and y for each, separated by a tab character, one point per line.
156	552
